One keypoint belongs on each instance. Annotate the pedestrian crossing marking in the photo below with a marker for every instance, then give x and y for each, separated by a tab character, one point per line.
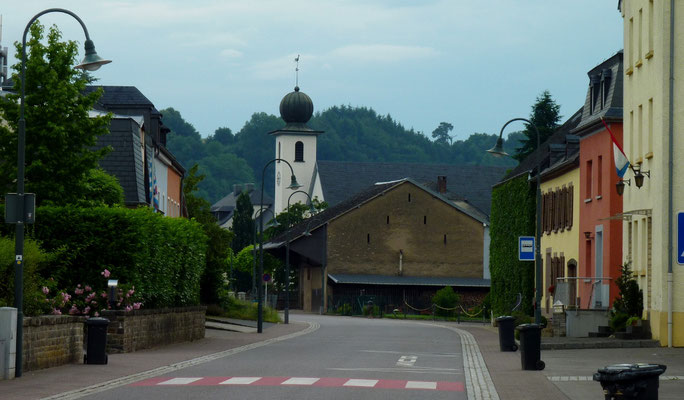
240	380
329	382
179	381
421	385
300	381
361	382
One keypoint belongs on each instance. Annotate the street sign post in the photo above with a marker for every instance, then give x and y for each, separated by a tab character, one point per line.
526	247
680	238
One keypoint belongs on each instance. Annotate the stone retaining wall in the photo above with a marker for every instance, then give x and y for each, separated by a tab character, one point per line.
142	329
52	340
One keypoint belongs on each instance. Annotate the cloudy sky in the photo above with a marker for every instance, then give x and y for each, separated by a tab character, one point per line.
475	64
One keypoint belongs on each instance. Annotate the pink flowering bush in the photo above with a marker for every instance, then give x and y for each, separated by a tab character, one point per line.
84	300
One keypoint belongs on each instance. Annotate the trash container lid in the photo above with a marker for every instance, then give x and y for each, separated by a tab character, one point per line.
97	321
618	372
527	327
504	318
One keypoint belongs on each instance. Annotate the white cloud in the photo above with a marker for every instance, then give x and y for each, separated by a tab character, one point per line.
380	53
231	53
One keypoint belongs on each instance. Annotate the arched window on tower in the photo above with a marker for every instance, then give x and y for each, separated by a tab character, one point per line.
299	151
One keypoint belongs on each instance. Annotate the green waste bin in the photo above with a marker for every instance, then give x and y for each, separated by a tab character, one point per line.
506	325
530	347
97	341
630	381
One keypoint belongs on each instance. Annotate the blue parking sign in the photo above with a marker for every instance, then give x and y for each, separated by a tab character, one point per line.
526	248
680	238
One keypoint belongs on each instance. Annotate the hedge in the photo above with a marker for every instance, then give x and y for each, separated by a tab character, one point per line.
512	215
162	257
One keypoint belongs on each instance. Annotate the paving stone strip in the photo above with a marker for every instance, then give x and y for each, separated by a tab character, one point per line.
127	380
479	384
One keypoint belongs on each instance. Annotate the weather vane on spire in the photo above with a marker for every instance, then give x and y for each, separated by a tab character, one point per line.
297	70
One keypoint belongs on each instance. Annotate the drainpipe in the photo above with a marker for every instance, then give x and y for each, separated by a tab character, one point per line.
401	259
670	168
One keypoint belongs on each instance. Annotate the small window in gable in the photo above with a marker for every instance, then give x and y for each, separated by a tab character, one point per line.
299	151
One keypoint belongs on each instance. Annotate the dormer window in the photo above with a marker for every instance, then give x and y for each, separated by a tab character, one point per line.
594	92
299	152
605	86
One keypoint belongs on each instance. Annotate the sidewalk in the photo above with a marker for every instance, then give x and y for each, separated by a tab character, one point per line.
568	373
52	381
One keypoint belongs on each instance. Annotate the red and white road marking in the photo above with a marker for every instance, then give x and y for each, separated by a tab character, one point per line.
302	381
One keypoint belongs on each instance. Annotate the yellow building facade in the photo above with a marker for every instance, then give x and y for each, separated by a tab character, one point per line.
654	144
560	243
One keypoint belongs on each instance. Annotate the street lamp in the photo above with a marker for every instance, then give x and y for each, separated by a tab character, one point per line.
91	62
498	151
293	186
254	242
287	253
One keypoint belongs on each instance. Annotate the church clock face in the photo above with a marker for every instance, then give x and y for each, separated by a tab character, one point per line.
278	179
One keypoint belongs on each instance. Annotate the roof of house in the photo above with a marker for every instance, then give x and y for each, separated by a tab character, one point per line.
472	183
121	96
228	202
357	200
607	101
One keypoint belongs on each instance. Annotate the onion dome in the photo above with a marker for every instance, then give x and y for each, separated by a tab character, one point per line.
296	107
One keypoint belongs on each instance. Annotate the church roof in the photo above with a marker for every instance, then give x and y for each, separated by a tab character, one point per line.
340	179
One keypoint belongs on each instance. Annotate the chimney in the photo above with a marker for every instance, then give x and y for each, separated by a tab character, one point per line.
249	187
237	189
441	184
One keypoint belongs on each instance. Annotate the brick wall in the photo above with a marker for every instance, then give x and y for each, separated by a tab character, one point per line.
52	340
142	329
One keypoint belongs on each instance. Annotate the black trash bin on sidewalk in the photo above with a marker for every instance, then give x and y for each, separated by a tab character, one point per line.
530	347
97	341
506	333
630	381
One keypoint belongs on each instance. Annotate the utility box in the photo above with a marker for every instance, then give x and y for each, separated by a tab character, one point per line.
13	208
8	342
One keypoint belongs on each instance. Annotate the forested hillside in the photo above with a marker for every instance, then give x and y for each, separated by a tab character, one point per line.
351	134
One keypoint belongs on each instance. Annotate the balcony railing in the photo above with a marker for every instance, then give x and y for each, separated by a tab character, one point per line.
567	291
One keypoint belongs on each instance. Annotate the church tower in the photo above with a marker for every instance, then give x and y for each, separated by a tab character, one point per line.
296	144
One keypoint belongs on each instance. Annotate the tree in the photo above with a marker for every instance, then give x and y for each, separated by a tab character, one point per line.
219	240
243	224
545	116
60	135
297	213
223	135
441	133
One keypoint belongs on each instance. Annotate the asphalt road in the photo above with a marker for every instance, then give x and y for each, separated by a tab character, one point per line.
345	358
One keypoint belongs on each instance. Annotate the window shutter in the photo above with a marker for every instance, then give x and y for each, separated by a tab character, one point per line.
570	209
561	271
555	210
562	209
543	212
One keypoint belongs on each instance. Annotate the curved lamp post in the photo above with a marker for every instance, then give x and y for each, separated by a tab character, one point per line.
498	151
91	62
260	289
258	214
287	253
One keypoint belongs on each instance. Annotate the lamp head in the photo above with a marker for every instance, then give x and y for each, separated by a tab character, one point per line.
91	61
293	183
620	186
497	150
639	179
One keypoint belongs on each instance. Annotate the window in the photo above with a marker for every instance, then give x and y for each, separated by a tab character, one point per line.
588	177
299	152
630	154
630	48
649	133
388	220
640	37
599	177
445	239
640	132
424	219
409	197
368	238
279	145
649	54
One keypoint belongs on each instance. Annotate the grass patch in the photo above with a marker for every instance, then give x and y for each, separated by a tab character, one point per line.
239	309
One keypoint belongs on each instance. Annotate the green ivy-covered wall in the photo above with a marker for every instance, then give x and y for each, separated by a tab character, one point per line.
512	215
